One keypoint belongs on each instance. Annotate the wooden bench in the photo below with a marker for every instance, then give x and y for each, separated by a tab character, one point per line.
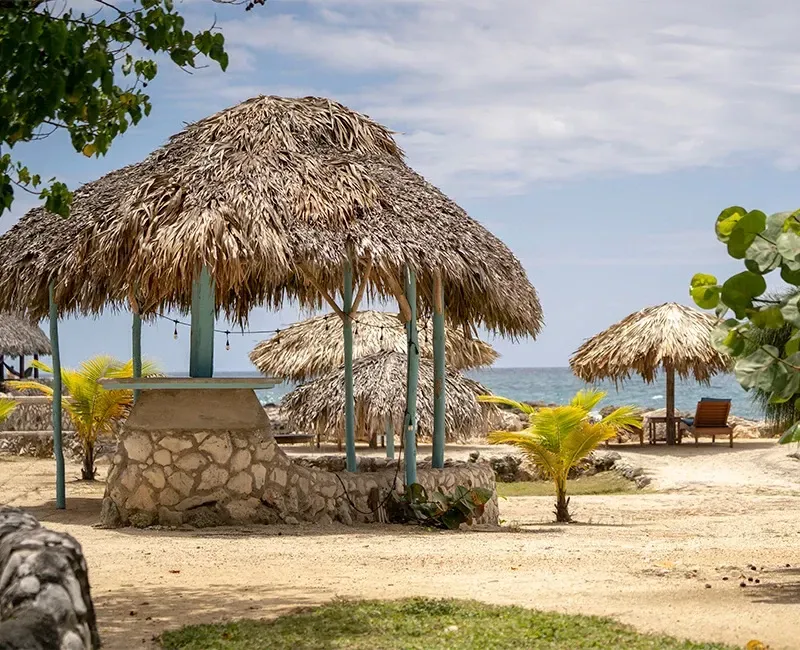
292	438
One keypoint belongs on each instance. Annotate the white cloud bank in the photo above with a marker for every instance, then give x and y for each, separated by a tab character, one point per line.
492	96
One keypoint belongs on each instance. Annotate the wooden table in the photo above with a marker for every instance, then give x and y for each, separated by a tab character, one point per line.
662	419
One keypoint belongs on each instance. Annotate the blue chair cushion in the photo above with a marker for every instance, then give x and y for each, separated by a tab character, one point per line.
715	399
688	421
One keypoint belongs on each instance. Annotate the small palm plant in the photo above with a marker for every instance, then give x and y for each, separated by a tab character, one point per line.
557	439
7	406
93	409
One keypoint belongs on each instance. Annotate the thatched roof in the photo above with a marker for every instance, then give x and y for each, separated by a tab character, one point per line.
653	338
316	346
380	390
258	193
20	336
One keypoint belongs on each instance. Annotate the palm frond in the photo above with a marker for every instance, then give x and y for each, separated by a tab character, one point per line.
624	417
588	399
7	407
496	399
30	384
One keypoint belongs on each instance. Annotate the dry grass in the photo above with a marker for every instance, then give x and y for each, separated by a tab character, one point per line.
669	335
603	483
315	346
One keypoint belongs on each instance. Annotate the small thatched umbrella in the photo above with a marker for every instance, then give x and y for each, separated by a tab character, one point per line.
669	337
20	337
315	346
380	396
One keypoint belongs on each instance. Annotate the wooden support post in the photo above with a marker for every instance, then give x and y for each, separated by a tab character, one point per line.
2	368
438	371
389	432
22	366
201	354
349	400
412	378
35	369
136	350
58	449
670	372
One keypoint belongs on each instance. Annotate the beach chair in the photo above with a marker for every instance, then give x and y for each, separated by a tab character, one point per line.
710	419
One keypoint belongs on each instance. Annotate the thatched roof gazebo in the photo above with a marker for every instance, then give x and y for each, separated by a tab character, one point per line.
315	346
380	382
20	337
270	200
669	338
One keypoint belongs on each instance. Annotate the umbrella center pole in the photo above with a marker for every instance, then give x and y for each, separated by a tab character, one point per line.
349	399
412	379
201	354
671	438
58	448
438	373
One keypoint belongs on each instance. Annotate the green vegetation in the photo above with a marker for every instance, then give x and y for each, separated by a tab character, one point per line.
82	72
603	483
557	439
94	410
422	624
439	510
766	363
7	406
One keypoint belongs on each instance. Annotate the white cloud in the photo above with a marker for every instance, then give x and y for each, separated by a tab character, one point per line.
493	96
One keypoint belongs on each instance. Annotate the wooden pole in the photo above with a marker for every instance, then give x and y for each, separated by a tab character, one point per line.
670	372
438	372
136	349
349	400
389	437
58	449
412	378
22	366
201	354
2	368
35	369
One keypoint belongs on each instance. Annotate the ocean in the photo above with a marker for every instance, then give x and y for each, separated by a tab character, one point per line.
558	385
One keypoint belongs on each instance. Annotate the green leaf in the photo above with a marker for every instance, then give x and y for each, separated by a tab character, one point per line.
793	344
739	290
763	254
767	317
703	280
726	339
790	310
792	435
750	370
786	382
727	220
744	233
788	245
704	290
790	277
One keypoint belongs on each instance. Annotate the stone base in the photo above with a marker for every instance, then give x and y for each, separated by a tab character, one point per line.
207	458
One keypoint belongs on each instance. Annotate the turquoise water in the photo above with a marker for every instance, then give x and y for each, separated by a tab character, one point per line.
557	385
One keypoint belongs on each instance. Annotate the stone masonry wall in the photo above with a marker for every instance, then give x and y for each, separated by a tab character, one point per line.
222	466
33	414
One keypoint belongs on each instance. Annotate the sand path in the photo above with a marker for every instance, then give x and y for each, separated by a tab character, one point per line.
643	558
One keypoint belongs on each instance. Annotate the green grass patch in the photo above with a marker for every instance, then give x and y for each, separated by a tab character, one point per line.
602	483
422	624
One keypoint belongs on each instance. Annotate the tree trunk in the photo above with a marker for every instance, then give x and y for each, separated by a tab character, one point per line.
46	600
562	503
373	441
670	372
88	470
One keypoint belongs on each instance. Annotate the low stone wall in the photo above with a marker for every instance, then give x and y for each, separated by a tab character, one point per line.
212	461
45	600
33	414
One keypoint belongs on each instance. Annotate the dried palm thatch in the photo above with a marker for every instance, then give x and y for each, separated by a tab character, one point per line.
316	346
380	391
669	336
21	337
273	195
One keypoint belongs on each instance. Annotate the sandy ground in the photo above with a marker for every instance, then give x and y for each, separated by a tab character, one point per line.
645	559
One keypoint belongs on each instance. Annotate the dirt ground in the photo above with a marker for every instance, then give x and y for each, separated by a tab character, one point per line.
656	559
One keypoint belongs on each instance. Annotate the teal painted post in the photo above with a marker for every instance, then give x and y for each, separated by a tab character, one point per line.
349	400
58	448
412	379
136	350
201	354
438	373
389	432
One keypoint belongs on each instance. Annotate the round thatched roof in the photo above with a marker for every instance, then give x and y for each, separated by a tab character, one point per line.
272	195
316	346
653	338
380	390
20	336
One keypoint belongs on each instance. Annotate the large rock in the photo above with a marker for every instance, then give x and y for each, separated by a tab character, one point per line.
45	600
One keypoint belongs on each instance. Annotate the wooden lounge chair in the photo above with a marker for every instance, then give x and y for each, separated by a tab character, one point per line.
710	419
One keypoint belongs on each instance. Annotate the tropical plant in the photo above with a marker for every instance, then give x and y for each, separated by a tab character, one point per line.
7	406
93	409
769	364
438	509
558	438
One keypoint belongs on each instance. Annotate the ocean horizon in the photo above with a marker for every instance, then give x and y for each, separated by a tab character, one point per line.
557	385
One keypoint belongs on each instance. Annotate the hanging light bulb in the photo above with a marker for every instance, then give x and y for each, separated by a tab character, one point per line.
175	331
227	340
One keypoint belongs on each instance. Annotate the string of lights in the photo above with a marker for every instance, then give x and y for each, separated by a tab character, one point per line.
276	332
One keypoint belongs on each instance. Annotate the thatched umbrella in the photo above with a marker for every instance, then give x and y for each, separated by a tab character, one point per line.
312	347
669	337
271	199
20	337
380	397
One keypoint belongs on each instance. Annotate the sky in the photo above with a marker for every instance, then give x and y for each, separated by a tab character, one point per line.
599	140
